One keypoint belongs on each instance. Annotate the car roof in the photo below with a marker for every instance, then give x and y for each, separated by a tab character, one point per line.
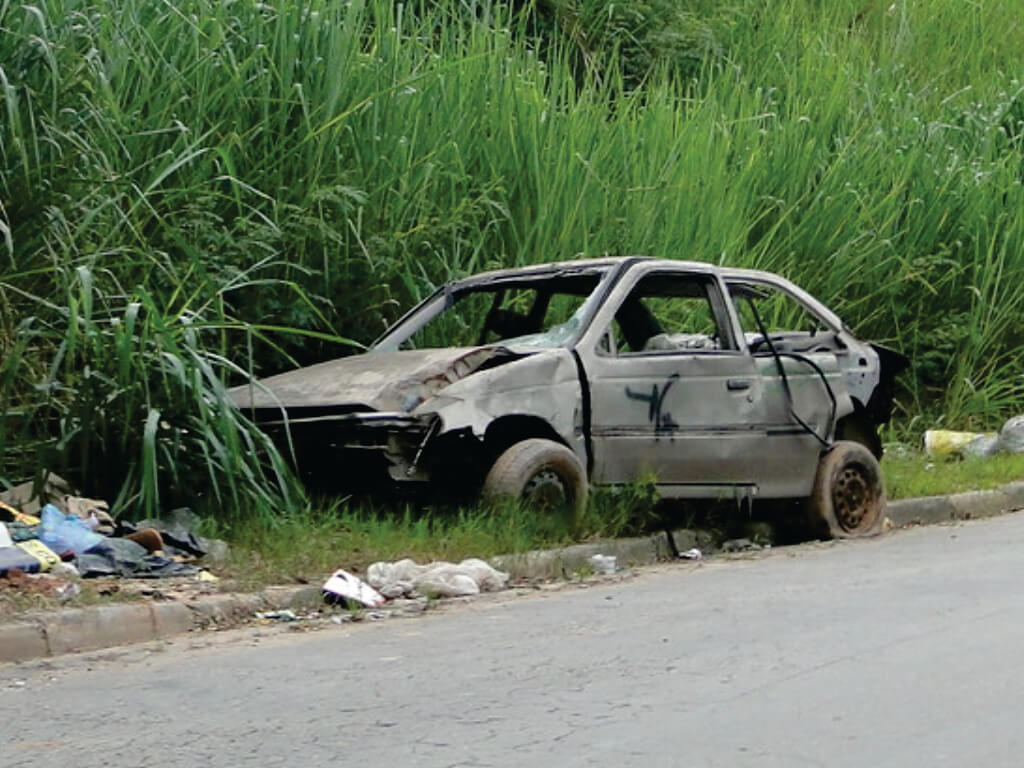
615	261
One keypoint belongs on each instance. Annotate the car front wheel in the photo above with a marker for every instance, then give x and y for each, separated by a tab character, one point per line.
542	474
848	500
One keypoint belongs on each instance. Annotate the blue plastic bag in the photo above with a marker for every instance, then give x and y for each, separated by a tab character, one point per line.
66	533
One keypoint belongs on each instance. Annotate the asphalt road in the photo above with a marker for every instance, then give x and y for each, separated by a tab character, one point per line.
902	651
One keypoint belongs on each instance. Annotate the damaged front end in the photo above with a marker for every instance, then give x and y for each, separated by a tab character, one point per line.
357	424
352	452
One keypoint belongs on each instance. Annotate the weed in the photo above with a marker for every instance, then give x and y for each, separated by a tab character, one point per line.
196	192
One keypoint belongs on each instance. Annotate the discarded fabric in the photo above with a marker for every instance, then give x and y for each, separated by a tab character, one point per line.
440	579
28	556
121	557
177	532
342	585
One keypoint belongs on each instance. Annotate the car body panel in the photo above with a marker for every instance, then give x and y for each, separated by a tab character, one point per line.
740	415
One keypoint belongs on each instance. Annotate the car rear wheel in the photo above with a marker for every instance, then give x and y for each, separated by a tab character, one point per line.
848	500
543	475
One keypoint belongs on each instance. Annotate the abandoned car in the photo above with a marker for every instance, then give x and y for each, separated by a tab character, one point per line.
536	383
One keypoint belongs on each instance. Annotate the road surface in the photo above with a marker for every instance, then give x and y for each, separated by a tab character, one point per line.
906	650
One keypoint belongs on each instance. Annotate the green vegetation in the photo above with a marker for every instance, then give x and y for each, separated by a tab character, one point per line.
196	191
916	475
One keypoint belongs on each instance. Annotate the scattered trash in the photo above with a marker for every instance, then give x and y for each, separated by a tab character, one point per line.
604	564
43	521
149	538
944	442
947	443
284	615
68	591
27	557
1011	436
66	533
95	513
691	554
342	585
406	578
64	570
740	545
121	557
9	514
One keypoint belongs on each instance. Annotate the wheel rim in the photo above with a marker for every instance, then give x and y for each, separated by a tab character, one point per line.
853	498
546	491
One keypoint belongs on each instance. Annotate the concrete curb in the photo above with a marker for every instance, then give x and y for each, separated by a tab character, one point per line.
971	505
93	629
107	626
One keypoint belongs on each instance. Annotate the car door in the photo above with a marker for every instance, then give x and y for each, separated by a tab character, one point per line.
801	375
672	391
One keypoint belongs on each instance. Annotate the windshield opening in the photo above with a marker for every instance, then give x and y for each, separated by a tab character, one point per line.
538	312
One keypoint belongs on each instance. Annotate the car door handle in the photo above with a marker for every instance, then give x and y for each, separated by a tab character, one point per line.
737	385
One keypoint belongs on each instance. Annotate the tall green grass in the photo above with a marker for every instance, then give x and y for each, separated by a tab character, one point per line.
180	181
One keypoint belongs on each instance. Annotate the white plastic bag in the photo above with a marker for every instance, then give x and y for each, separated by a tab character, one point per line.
344	585
1011	436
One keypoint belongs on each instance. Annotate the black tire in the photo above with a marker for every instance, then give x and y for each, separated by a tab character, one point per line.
544	475
848	499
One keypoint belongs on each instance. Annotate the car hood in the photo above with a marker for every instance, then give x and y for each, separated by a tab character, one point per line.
376	381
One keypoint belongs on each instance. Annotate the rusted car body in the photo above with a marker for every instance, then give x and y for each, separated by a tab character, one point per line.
716	382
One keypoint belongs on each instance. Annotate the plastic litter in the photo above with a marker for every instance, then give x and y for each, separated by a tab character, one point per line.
67	591
1011	436
47	557
94	512
284	615
407	578
982	446
65	571
342	585
11	515
66	533
945	442
604	564
5	537
691	554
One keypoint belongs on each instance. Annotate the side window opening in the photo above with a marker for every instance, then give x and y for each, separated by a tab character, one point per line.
791	326
670	313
